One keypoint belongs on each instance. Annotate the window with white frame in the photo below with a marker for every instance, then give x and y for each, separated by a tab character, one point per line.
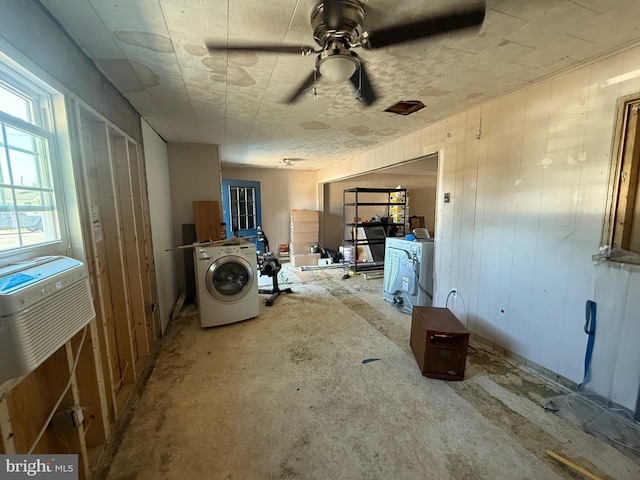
29	214
243	208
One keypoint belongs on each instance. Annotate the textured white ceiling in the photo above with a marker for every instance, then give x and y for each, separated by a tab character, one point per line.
153	51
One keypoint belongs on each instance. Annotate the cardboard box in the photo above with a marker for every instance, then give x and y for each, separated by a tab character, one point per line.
304	216
305	227
303	247
283	249
304	259
304	237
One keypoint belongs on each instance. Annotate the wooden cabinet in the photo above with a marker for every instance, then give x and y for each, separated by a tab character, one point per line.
439	342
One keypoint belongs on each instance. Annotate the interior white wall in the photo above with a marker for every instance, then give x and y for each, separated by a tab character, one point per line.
281	190
161	217
528	201
194	171
617	334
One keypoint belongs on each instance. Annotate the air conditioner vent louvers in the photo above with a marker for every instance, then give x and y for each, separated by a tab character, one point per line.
40	326
41	315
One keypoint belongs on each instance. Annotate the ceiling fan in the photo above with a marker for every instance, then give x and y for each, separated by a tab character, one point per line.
288	162
338	27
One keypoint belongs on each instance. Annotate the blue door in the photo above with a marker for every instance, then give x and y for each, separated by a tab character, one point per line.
241	209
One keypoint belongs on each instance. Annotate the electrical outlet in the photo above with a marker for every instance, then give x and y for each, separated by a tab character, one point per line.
77	416
454	292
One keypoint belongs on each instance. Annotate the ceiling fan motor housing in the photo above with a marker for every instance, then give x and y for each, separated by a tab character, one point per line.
335	20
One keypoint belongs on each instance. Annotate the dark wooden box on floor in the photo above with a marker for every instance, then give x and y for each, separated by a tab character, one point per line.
439	342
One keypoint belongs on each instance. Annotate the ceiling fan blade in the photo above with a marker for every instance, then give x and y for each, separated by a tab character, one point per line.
426	27
375	16
361	81
213	47
307	83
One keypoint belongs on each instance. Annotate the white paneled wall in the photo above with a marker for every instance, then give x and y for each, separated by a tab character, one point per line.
616	352
528	200
161	214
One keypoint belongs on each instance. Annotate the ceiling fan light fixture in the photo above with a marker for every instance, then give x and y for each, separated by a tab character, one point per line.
405	107
338	67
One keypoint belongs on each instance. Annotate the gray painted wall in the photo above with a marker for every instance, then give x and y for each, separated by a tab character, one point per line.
194	171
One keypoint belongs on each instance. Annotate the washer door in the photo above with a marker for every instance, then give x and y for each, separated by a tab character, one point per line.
229	278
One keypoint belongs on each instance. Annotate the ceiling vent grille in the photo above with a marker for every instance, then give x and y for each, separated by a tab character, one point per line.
405	107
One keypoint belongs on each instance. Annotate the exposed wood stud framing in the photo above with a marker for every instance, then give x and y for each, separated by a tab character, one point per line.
143	228
96	263
6	446
112	234
120	154
114	214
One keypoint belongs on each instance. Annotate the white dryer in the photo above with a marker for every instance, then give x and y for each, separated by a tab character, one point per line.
227	283
408	273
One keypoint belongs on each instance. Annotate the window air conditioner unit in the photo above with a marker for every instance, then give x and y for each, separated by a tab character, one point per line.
44	302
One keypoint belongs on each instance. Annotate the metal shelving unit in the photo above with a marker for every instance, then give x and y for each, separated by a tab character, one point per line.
364	238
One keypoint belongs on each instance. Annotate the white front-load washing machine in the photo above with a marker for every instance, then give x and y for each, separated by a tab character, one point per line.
227	283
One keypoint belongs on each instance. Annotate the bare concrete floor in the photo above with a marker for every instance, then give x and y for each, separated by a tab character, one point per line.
286	396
